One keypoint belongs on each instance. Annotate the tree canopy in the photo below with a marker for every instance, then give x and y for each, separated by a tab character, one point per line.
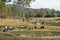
22	2
14	11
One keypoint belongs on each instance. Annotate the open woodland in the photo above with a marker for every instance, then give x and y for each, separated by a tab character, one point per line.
28	23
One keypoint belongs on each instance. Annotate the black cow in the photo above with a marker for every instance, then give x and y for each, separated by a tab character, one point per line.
42	27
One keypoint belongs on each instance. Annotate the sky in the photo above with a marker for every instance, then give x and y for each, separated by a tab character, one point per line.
10	2
51	4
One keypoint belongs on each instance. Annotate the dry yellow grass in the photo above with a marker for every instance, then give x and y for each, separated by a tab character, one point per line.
14	22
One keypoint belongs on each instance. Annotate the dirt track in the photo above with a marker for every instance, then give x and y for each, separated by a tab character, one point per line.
31	38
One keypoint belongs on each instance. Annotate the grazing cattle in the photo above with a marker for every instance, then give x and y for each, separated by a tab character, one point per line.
35	22
42	27
4	29
42	21
7	29
29	27
10	28
25	26
35	27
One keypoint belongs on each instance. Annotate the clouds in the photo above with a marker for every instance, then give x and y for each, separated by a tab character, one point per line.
55	4
52	4
10	2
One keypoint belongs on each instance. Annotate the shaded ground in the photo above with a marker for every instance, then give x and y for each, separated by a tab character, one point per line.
30	35
21	38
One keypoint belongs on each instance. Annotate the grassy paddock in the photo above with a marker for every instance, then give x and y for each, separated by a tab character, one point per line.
30	35
15	22
10	21
37	33
53	23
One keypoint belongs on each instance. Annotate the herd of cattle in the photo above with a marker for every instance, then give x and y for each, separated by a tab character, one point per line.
10	28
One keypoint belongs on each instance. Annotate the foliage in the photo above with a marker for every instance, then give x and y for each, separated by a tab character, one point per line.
14	12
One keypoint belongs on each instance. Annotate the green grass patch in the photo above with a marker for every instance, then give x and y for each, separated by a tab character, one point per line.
38	33
53	23
57	19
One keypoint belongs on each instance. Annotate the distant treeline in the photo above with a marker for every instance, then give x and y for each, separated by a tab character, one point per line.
45	12
14	12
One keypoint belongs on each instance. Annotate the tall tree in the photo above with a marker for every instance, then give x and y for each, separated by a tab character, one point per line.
24	2
42	12
2	9
53	12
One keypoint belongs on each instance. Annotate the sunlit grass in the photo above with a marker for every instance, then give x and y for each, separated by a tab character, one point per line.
53	23
16	22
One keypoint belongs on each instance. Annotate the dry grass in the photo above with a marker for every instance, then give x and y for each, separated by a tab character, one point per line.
12	22
15	22
49	30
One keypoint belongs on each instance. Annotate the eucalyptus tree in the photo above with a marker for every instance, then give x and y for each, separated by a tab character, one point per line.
58	13
2	7
25	3
53	12
42	12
